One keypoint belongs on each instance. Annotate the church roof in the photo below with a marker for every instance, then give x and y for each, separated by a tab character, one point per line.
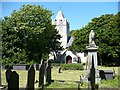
60	15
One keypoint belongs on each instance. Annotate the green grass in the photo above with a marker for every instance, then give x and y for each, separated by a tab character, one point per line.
22	77
69	76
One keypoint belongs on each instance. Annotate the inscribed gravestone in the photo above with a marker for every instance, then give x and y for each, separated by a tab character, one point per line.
13	82
31	78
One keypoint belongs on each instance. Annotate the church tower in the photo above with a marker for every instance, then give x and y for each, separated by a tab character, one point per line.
62	26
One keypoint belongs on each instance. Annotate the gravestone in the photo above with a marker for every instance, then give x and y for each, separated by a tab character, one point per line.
59	70
106	74
13	81
41	74
31	78
92	53
8	73
48	73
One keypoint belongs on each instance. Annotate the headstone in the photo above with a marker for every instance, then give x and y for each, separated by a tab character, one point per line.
41	74
59	70
106	74
8	73
31	78
13	82
48	72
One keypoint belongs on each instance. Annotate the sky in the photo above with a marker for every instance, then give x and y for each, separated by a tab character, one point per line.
78	14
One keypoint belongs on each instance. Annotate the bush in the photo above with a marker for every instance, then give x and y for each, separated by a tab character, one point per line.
72	66
56	64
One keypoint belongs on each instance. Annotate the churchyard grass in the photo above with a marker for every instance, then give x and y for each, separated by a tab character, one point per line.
65	79
22	77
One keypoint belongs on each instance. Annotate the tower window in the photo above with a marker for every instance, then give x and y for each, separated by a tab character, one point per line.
60	20
55	20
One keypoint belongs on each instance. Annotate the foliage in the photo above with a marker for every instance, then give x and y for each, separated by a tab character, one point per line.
107	37
72	66
56	64
28	35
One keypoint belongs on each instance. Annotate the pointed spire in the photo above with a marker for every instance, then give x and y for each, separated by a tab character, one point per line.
60	15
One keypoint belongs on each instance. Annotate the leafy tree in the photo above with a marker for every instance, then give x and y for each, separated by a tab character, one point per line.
107	38
28	35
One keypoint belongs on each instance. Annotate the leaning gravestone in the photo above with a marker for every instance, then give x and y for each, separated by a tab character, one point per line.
13	82
41	74
31	78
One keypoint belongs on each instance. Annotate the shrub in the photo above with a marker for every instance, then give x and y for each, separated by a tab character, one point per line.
56	64
72	66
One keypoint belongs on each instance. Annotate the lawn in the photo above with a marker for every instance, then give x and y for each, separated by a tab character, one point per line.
65	79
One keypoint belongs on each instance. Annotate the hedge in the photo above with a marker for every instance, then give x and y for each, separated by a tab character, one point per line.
72	66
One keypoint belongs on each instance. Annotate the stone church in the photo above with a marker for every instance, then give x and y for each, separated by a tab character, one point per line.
63	27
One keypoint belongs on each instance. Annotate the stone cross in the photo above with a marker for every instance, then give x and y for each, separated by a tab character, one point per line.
13	81
31	78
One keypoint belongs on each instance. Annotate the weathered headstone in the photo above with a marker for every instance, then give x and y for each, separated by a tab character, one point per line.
8	73
106	74
13	82
48	72
31	78
41	74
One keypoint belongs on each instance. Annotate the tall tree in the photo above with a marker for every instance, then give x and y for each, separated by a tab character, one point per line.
107	37
28	35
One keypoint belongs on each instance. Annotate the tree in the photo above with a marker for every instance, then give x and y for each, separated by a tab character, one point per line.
28	35
107	38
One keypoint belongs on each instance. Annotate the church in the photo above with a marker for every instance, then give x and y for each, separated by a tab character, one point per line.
63	27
